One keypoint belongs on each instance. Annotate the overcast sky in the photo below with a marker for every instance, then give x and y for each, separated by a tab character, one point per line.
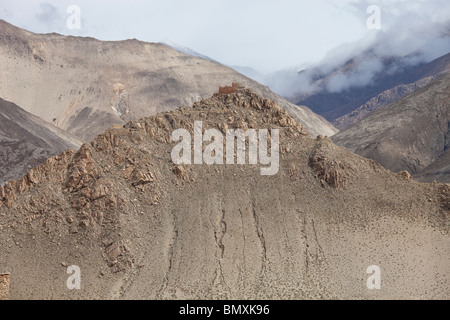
267	35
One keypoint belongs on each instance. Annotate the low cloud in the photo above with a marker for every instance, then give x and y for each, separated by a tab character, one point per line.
412	32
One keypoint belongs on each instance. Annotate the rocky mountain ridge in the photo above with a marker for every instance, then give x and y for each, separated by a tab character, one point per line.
139	226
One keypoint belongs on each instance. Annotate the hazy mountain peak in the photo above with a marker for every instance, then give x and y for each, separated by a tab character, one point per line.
75	78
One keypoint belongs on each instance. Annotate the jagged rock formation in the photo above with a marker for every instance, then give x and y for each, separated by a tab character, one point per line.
85	86
411	134
139	226
27	141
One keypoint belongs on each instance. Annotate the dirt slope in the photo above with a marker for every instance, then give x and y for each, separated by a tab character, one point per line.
139	226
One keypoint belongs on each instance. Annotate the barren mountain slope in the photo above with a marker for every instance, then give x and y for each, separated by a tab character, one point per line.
27	141
85	85
407	135
139	226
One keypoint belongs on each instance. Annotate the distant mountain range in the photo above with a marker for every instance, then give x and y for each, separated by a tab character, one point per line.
84	85
411	134
396	77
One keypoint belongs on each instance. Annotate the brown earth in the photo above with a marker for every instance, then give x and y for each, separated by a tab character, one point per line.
139	226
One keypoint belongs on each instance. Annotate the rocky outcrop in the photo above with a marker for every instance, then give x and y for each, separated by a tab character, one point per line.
330	172
54	166
82	179
139	226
